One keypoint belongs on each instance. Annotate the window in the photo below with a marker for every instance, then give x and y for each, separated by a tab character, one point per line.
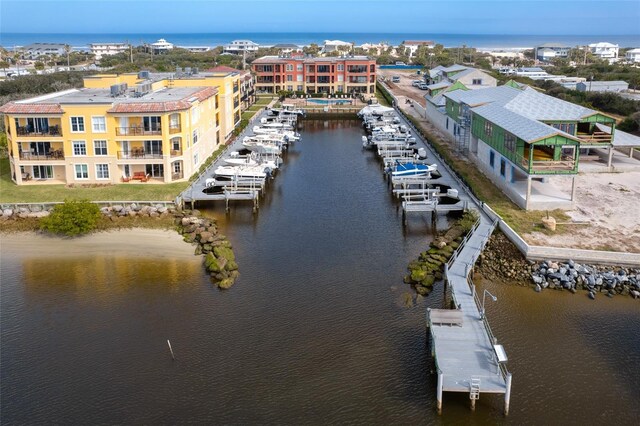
177	167
195	136
476	81
299	67
488	128
79	148
492	158
100	147
102	171
82	171
99	124
447	123
340	67
299	77
509	142
290	88
175	144
289	77
289	67
77	124
155	170
195	159
503	167
300	88
151	124
42	172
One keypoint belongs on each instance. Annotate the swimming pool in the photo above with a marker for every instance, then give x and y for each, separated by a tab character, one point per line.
330	101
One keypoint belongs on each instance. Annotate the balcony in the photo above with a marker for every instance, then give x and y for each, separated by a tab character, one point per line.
357	70
595	138
57	154
176	152
137	131
540	162
175	128
29	131
139	154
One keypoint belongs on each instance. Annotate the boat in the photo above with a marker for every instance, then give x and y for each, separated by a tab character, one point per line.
412	169
258	171
289	134
263	145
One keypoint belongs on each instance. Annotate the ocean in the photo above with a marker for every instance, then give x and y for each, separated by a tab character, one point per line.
9	40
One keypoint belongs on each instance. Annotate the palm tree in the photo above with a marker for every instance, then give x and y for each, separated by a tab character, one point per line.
67	49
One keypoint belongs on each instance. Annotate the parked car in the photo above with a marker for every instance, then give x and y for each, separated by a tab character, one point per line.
423	86
417	83
395	79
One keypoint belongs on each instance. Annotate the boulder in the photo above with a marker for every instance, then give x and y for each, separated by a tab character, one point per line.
592	295
549	223
225	283
7	212
224	252
206	237
117	208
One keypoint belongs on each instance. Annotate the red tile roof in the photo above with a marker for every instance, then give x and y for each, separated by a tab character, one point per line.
223	68
15	108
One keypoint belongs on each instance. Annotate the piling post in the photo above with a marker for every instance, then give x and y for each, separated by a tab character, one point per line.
507	394
171	350
439	392
473	404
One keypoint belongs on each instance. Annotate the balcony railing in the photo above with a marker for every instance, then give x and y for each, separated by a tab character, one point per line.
176	152
566	163
139	154
27	131
596	137
52	155
176	176
175	128
137	131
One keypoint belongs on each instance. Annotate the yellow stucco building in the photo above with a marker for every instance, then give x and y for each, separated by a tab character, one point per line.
122	128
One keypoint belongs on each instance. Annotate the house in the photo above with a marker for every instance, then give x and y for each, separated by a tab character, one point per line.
534	73
471	78
413	45
331	46
147	131
238	47
38	50
378	48
548	51
602	86
331	75
247	84
287	48
518	137
160	46
633	55
604	50
105	49
195	49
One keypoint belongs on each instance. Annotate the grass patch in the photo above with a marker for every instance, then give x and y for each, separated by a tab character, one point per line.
104	224
12	193
383	97
522	221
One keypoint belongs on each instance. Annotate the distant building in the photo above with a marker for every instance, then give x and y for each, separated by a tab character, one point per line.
238	47
195	49
471	78
331	46
533	73
413	45
161	46
548	51
604	50
602	86
38	50
287	48
379	48
331	75
633	55
106	49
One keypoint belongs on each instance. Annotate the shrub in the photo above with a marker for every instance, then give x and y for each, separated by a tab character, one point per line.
73	217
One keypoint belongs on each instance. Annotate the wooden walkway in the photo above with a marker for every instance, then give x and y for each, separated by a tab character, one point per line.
467	356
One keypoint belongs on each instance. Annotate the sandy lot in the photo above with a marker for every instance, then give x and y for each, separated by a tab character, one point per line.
607	213
607	208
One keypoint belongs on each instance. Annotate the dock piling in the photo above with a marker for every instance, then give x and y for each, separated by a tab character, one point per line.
439	394
507	395
171	350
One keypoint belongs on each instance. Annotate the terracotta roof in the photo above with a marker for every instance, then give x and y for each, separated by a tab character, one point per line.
145	107
418	42
223	68
15	108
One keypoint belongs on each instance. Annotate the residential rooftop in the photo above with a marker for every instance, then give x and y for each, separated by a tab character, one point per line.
273	58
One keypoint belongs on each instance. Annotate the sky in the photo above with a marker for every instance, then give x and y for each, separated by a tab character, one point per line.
535	17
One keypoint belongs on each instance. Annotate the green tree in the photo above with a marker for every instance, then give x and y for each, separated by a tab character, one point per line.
73	217
312	49
39	65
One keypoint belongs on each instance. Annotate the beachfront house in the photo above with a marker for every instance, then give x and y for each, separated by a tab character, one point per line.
548	51
315	75
604	50
36	51
414	45
287	48
333	46
160	46
519	137
238	47
105	49
633	55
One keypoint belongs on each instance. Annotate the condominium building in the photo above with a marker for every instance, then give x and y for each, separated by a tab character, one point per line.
92	136
238	47
118	128
105	49
331	75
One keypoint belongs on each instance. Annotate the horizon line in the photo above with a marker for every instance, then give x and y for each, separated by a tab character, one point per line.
318	32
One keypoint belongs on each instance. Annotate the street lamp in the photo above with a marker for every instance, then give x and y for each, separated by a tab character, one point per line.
495	299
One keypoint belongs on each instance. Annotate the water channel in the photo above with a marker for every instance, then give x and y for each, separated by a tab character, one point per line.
313	332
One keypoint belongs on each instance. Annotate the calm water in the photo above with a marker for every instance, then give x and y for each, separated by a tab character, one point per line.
313	332
268	39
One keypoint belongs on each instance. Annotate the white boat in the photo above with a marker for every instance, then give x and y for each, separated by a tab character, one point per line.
290	134
262	146
258	171
412	169
275	125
